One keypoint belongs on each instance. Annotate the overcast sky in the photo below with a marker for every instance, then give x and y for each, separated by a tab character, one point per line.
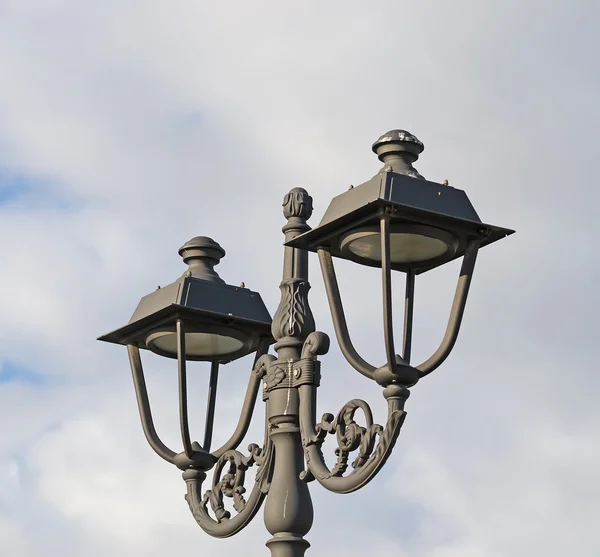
129	126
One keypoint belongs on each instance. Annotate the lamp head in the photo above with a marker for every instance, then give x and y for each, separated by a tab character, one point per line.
222	322
430	223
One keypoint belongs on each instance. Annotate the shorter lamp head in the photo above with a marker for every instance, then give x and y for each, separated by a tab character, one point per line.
221	322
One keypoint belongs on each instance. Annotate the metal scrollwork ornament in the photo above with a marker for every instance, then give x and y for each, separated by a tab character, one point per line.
350	436
230	485
373	442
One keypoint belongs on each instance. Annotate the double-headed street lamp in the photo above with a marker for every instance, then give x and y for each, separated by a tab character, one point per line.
397	221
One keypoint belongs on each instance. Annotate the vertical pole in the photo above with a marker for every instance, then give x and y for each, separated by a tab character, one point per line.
288	509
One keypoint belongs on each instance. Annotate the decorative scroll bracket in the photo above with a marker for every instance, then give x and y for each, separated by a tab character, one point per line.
230	485
373	441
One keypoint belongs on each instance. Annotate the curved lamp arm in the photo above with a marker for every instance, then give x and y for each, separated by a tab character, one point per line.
259	369
409	302
339	319
386	279
457	311
141	393
184	426
210	407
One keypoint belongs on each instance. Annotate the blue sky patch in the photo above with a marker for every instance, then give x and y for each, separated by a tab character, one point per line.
11	372
38	190
13	186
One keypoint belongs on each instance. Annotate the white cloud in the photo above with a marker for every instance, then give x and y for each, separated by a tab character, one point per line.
141	124
538	494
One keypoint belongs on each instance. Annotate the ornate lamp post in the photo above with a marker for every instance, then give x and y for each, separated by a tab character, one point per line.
396	221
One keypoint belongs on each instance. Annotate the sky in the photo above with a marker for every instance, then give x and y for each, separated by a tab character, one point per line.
128	127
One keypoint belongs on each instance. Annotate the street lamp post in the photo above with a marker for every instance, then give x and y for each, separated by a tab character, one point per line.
396	221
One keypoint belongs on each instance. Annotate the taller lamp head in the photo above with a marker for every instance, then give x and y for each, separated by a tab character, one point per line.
430	223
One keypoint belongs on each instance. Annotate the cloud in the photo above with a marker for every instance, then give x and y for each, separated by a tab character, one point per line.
507	505
129	127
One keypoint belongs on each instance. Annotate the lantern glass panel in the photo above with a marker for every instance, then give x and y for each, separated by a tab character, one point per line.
197	345
404	247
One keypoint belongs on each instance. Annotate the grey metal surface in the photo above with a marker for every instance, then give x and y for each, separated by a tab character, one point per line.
291	455
202	300
211	405
408	199
182	384
409	303
456	312
339	318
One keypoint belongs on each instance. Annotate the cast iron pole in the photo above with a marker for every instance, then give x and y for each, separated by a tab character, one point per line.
288	509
